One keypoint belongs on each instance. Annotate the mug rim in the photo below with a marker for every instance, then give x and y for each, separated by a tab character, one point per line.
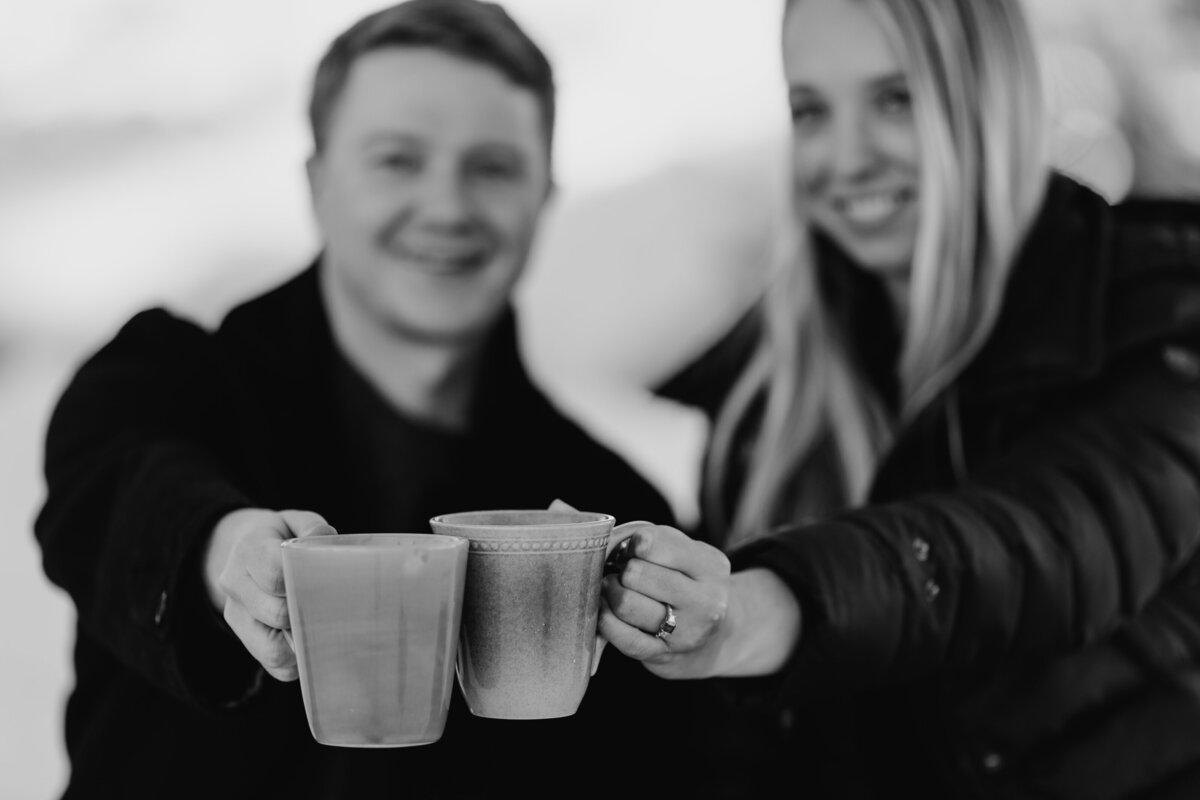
492	519
380	539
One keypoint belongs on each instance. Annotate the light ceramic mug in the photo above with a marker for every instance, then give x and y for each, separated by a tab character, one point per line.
530	608
374	622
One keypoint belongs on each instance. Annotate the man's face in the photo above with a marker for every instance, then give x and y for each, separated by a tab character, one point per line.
428	191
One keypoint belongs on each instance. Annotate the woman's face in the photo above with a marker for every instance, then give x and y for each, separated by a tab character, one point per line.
855	149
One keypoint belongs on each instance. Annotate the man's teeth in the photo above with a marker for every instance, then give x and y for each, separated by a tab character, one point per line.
871	209
445	260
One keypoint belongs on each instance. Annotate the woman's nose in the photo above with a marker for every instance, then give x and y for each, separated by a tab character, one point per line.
853	150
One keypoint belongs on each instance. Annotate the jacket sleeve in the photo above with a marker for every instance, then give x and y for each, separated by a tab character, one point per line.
1052	544
134	487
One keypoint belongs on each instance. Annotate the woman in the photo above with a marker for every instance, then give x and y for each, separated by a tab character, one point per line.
956	450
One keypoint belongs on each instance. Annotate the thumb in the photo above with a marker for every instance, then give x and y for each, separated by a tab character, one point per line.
559	505
306	523
600	640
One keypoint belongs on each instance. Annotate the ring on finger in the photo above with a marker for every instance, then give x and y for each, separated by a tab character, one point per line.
667	626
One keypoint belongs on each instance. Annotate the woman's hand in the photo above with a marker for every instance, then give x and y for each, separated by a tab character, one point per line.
663	573
243	571
739	624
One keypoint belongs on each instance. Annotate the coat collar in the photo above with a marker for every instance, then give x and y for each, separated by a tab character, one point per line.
1092	281
289	328
1051	324
1077	292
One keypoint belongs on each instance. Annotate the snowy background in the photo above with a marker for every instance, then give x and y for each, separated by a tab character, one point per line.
151	151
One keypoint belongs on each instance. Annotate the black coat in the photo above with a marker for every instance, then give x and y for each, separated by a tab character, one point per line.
1021	619
168	427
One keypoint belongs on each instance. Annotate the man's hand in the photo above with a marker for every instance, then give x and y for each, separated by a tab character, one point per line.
243	570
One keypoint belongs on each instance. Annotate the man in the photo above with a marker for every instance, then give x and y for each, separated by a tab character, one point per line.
379	387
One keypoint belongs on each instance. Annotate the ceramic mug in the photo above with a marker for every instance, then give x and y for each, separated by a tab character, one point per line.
530	607
374	622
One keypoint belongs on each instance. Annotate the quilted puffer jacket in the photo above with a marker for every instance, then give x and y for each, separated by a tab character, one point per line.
1015	613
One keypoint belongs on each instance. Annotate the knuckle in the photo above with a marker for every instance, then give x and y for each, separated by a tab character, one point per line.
275	613
270	576
621	605
607	627
657	657
641	543
716	610
303	523
651	538
235	615
646	652
225	579
284	674
277	656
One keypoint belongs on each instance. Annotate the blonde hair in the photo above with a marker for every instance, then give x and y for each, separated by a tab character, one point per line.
978	109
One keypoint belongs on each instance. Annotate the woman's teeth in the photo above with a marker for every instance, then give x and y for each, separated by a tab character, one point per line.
872	209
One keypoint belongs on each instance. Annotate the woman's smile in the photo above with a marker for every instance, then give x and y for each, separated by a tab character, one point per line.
869	211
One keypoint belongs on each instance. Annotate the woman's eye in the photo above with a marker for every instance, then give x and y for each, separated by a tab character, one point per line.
894	101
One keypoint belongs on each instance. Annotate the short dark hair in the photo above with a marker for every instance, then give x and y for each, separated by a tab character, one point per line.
471	29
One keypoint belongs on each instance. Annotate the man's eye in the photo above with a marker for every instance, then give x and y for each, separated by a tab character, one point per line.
399	162
807	115
494	170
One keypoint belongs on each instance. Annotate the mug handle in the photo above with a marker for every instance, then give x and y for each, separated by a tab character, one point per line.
614	561
618	539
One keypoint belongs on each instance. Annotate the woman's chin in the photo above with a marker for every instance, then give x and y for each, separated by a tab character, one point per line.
888	259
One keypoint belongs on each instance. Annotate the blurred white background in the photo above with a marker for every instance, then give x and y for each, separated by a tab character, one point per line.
151	151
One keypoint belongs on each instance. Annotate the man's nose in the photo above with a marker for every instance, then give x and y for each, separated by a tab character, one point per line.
444	197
